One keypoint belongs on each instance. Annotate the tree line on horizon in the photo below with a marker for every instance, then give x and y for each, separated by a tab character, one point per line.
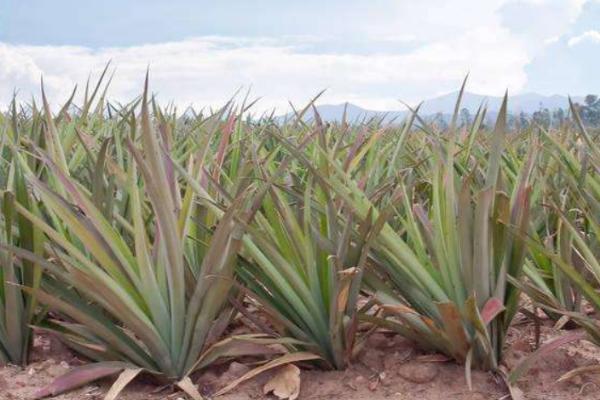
589	112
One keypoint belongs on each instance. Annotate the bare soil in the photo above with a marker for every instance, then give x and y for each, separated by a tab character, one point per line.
389	368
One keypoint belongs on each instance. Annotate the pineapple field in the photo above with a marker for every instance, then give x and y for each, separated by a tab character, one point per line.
147	252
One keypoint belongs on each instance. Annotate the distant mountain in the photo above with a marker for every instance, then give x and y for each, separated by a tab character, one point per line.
527	103
354	113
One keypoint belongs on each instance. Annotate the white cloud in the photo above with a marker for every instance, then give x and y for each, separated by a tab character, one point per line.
205	71
588	36
540	23
438	42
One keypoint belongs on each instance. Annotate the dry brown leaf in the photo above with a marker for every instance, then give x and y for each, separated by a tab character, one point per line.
283	360
189	388
123	380
433	358
285	384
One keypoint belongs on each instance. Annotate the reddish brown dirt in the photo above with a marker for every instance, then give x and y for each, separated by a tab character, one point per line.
391	368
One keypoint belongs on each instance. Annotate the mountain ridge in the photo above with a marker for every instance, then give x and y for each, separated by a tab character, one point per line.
527	103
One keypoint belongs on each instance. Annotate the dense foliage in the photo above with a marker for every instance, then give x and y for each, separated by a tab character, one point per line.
136	234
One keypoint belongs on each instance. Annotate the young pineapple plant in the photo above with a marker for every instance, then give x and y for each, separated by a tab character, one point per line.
450	257
544	276
443	259
17	309
304	268
555	196
133	281
575	259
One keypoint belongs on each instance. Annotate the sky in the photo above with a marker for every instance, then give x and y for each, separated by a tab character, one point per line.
373	53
